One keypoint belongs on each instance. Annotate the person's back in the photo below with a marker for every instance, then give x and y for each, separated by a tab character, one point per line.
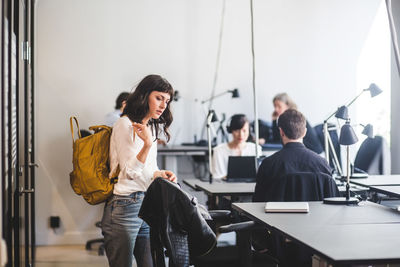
294	156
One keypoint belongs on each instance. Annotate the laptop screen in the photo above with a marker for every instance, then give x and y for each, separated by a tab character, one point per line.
241	167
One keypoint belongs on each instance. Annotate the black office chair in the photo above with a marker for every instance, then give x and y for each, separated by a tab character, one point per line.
372	156
301	186
177	228
89	243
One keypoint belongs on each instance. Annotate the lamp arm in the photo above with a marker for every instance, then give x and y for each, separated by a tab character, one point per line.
354	99
209	119
335	158
330	116
215	96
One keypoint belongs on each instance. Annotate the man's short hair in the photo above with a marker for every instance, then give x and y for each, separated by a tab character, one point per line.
292	123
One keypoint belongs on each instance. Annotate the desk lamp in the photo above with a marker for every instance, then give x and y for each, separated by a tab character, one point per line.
342	113
234	92
347	137
368	130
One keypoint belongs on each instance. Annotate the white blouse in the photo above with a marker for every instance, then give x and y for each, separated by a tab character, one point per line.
221	153
134	176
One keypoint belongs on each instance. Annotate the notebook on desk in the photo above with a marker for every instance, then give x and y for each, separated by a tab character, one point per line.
287	207
241	169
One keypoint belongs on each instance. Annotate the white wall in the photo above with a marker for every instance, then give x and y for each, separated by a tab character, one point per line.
395	107
88	51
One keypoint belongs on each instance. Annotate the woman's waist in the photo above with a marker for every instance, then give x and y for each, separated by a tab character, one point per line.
126	187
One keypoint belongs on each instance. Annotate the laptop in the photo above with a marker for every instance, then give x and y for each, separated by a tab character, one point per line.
241	169
287	207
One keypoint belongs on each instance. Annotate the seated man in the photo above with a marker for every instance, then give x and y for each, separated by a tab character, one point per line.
294	156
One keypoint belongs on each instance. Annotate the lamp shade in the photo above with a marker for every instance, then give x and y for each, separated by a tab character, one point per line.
347	135
214	117
368	130
342	113
176	96
374	90
235	93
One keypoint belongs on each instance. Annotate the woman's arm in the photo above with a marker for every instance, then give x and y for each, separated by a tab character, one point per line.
219	166
144	133
130	155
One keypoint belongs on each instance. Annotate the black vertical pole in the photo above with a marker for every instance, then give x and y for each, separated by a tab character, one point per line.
32	154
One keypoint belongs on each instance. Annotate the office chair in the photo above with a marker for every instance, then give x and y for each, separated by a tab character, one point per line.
373	156
97	240
301	186
177	225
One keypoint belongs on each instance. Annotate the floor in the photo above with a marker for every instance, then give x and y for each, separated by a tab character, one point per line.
68	256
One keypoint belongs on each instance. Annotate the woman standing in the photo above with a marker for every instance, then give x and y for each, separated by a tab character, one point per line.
133	149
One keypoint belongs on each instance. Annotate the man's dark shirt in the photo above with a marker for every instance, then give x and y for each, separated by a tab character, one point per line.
293	157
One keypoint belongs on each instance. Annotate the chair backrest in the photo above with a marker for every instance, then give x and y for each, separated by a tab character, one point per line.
370	156
177	223
302	186
311	140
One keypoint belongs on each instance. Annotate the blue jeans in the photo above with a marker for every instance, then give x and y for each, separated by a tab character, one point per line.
125	234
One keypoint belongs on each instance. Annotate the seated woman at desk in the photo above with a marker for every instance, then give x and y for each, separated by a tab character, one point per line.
283	102
239	128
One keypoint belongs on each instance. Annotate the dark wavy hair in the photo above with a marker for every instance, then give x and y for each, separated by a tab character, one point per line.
137	104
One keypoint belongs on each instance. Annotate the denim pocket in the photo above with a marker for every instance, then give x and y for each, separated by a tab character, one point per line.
121	201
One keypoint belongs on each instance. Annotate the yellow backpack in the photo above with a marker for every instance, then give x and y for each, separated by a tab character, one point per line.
90	160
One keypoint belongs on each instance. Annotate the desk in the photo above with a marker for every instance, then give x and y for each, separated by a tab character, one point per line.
169	155
389	190
340	234
221	189
377	180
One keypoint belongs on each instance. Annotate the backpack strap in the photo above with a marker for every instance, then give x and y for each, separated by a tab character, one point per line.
72	127
98	128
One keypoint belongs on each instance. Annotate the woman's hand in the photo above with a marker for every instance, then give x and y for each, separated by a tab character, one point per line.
275	115
143	132
166	175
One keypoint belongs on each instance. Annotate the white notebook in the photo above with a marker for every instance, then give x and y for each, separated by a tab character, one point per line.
287	207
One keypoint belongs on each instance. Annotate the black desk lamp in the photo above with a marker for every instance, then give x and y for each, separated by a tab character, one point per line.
342	113
234	92
347	137
368	130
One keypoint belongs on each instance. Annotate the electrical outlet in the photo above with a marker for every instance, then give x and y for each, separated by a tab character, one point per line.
55	222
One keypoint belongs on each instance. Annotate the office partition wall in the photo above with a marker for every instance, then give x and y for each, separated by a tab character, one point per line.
17	127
